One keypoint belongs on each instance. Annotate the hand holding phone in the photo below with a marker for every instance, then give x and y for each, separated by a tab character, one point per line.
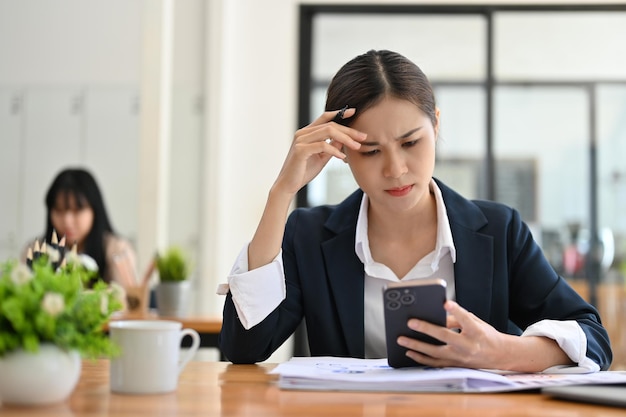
420	299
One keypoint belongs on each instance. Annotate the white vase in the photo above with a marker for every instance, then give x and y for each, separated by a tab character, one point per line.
45	377
172	298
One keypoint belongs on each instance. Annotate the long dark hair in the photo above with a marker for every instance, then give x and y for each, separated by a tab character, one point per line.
80	184
365	80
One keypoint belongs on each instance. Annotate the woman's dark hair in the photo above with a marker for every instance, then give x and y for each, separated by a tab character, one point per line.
367	79
80	184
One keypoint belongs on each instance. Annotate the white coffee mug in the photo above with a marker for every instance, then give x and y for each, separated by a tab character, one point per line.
150	361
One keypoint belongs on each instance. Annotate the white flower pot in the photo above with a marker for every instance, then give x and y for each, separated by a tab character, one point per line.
172	298
46	377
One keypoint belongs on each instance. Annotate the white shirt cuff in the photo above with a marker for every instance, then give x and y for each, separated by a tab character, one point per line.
255	293
571	339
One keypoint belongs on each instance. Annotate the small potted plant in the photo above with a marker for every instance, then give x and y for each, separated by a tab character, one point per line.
173	289
48	321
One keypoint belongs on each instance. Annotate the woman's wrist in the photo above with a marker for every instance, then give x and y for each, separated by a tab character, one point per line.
532	354
268	237
279	193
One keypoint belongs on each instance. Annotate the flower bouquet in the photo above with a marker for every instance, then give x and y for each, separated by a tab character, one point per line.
47	306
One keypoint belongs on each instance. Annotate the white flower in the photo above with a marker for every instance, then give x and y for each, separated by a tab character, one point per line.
118	292
88	262
104	304
72	258
53	303
21	274
54	255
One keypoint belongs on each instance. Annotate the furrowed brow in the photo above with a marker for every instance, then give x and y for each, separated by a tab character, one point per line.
409	133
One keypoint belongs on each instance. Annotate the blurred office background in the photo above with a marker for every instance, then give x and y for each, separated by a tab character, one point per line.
184	111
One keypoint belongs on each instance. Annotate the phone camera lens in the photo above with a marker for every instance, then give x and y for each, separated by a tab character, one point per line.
393	295
407	299
393	305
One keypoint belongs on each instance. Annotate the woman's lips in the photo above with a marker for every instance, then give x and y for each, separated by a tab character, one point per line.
400	191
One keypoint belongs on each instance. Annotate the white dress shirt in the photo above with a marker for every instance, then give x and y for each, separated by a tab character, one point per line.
258	292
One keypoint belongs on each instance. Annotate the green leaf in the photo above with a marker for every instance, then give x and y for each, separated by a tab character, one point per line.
173	265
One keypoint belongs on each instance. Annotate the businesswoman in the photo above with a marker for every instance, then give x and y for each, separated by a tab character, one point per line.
507	308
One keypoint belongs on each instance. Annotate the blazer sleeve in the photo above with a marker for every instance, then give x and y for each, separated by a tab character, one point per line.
243	346
537	292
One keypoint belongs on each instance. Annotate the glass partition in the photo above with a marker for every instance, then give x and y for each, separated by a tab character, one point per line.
559	46
543	133
611	110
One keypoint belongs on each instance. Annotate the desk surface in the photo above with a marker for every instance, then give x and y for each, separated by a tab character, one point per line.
222	389
202	324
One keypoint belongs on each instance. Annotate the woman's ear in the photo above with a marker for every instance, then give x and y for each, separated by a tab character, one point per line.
436	127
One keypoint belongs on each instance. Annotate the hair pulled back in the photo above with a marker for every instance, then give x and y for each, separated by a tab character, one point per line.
367	79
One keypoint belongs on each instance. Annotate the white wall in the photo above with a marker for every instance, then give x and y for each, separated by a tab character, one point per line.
250	120
69	78
79	84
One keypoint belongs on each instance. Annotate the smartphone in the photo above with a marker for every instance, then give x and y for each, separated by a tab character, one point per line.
420	299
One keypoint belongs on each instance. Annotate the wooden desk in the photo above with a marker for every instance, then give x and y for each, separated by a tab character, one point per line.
207	327
221	389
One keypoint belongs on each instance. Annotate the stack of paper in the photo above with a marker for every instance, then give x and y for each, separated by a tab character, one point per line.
350	374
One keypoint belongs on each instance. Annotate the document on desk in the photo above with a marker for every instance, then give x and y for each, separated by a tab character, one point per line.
350	374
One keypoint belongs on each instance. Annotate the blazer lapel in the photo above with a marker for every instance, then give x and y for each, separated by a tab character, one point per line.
345	273
473	270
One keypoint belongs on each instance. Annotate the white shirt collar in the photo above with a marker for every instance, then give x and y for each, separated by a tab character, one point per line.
444	243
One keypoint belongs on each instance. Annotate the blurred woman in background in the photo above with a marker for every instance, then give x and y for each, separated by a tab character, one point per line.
76	212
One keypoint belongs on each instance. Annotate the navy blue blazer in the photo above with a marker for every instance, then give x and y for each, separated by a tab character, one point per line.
501	275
